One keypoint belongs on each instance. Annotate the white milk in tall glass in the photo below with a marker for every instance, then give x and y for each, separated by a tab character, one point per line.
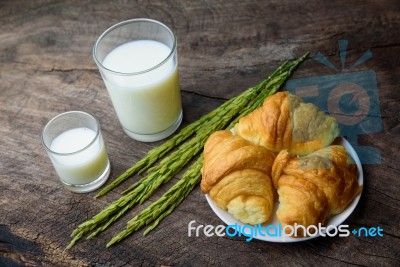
146	101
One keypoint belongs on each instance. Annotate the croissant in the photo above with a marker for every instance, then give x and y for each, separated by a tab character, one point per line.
314	187
284	121
236	175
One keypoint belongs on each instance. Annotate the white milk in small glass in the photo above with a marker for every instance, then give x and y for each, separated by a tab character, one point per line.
148	102
81	167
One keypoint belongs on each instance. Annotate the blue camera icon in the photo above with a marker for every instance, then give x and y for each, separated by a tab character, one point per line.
352	98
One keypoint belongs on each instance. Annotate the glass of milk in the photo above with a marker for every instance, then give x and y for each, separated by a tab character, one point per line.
76	148
138	62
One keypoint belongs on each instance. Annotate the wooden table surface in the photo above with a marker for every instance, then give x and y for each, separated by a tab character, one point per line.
224	47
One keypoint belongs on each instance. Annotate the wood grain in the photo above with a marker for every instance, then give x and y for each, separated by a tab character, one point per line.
224	47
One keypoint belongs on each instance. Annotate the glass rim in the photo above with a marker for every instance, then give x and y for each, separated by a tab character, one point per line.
48	149
121	24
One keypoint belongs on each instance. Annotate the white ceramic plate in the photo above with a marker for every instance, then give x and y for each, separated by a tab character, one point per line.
335	220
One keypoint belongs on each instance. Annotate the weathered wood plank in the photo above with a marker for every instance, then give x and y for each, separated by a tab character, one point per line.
224	47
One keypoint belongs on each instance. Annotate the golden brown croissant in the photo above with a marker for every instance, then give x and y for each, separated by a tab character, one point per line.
314	187
285	122
236	175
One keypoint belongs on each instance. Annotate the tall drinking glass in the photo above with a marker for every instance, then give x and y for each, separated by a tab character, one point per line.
138	62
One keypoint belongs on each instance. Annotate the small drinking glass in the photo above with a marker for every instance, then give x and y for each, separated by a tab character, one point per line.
75	146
